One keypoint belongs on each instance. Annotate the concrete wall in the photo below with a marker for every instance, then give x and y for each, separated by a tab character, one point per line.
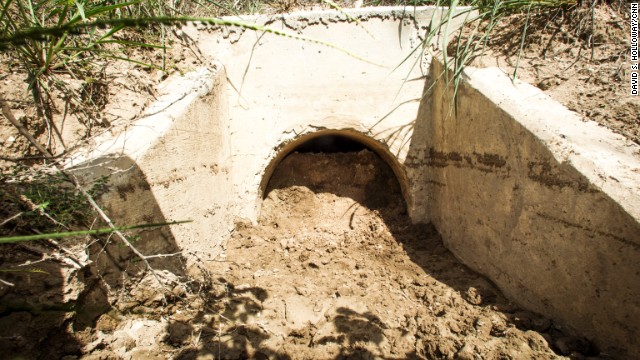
544	204
205	150
172	164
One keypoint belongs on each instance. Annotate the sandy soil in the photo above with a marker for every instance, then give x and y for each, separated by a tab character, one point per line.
107	99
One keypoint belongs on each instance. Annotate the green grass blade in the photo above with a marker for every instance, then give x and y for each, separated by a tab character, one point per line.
77	28
524	34
15	239
80	7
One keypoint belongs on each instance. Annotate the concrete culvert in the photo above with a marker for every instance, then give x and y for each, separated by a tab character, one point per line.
341	143
342	167
324	261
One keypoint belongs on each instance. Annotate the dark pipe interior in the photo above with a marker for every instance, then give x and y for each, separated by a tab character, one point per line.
330	144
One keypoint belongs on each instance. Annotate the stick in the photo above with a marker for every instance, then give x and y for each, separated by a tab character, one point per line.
6	111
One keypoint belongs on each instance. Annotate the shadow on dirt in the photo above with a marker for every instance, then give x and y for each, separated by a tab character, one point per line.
222	329
53	292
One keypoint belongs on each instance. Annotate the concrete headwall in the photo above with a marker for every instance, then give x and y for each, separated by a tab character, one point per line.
172	164
544	204
281	89
291	88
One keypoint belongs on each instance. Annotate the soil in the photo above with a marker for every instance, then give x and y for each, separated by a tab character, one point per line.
333	269
114	94
579	57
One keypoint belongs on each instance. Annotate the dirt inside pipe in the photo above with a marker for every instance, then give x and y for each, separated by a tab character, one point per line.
335	268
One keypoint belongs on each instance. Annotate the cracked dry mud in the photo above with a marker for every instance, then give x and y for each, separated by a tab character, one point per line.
335	269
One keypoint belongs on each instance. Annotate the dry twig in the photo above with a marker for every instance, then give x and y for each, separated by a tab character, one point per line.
6	111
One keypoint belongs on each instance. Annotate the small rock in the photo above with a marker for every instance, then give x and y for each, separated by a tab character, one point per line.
466	352
483	326
218	290
179	290
106	323
345	291
454	327
473	296
446	348
498	328
536	341
242	287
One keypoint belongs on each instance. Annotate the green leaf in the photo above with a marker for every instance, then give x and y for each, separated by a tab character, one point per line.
80	7
42	206
15	239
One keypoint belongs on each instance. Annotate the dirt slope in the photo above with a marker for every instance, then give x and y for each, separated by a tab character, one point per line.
335	269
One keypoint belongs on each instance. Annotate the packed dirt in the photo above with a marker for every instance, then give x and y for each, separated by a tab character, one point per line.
333	269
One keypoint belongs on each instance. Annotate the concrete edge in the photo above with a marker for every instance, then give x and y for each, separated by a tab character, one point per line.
178	93
320	16
608	160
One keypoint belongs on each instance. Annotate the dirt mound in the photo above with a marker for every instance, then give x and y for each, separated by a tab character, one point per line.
335	268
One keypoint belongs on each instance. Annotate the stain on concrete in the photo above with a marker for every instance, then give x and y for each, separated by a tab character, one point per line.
589	230
491	160
551	176
485	162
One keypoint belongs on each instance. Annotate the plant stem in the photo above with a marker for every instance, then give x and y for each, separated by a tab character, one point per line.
6	111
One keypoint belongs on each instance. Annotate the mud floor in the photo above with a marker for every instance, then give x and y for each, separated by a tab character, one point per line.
335	269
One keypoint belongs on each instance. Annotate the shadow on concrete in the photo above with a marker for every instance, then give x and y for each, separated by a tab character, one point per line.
56	297
128	199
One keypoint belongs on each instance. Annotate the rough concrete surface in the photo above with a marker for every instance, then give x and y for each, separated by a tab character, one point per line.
544	204
172	164
281	89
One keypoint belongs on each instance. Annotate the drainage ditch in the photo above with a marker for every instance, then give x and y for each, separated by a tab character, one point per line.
334	268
